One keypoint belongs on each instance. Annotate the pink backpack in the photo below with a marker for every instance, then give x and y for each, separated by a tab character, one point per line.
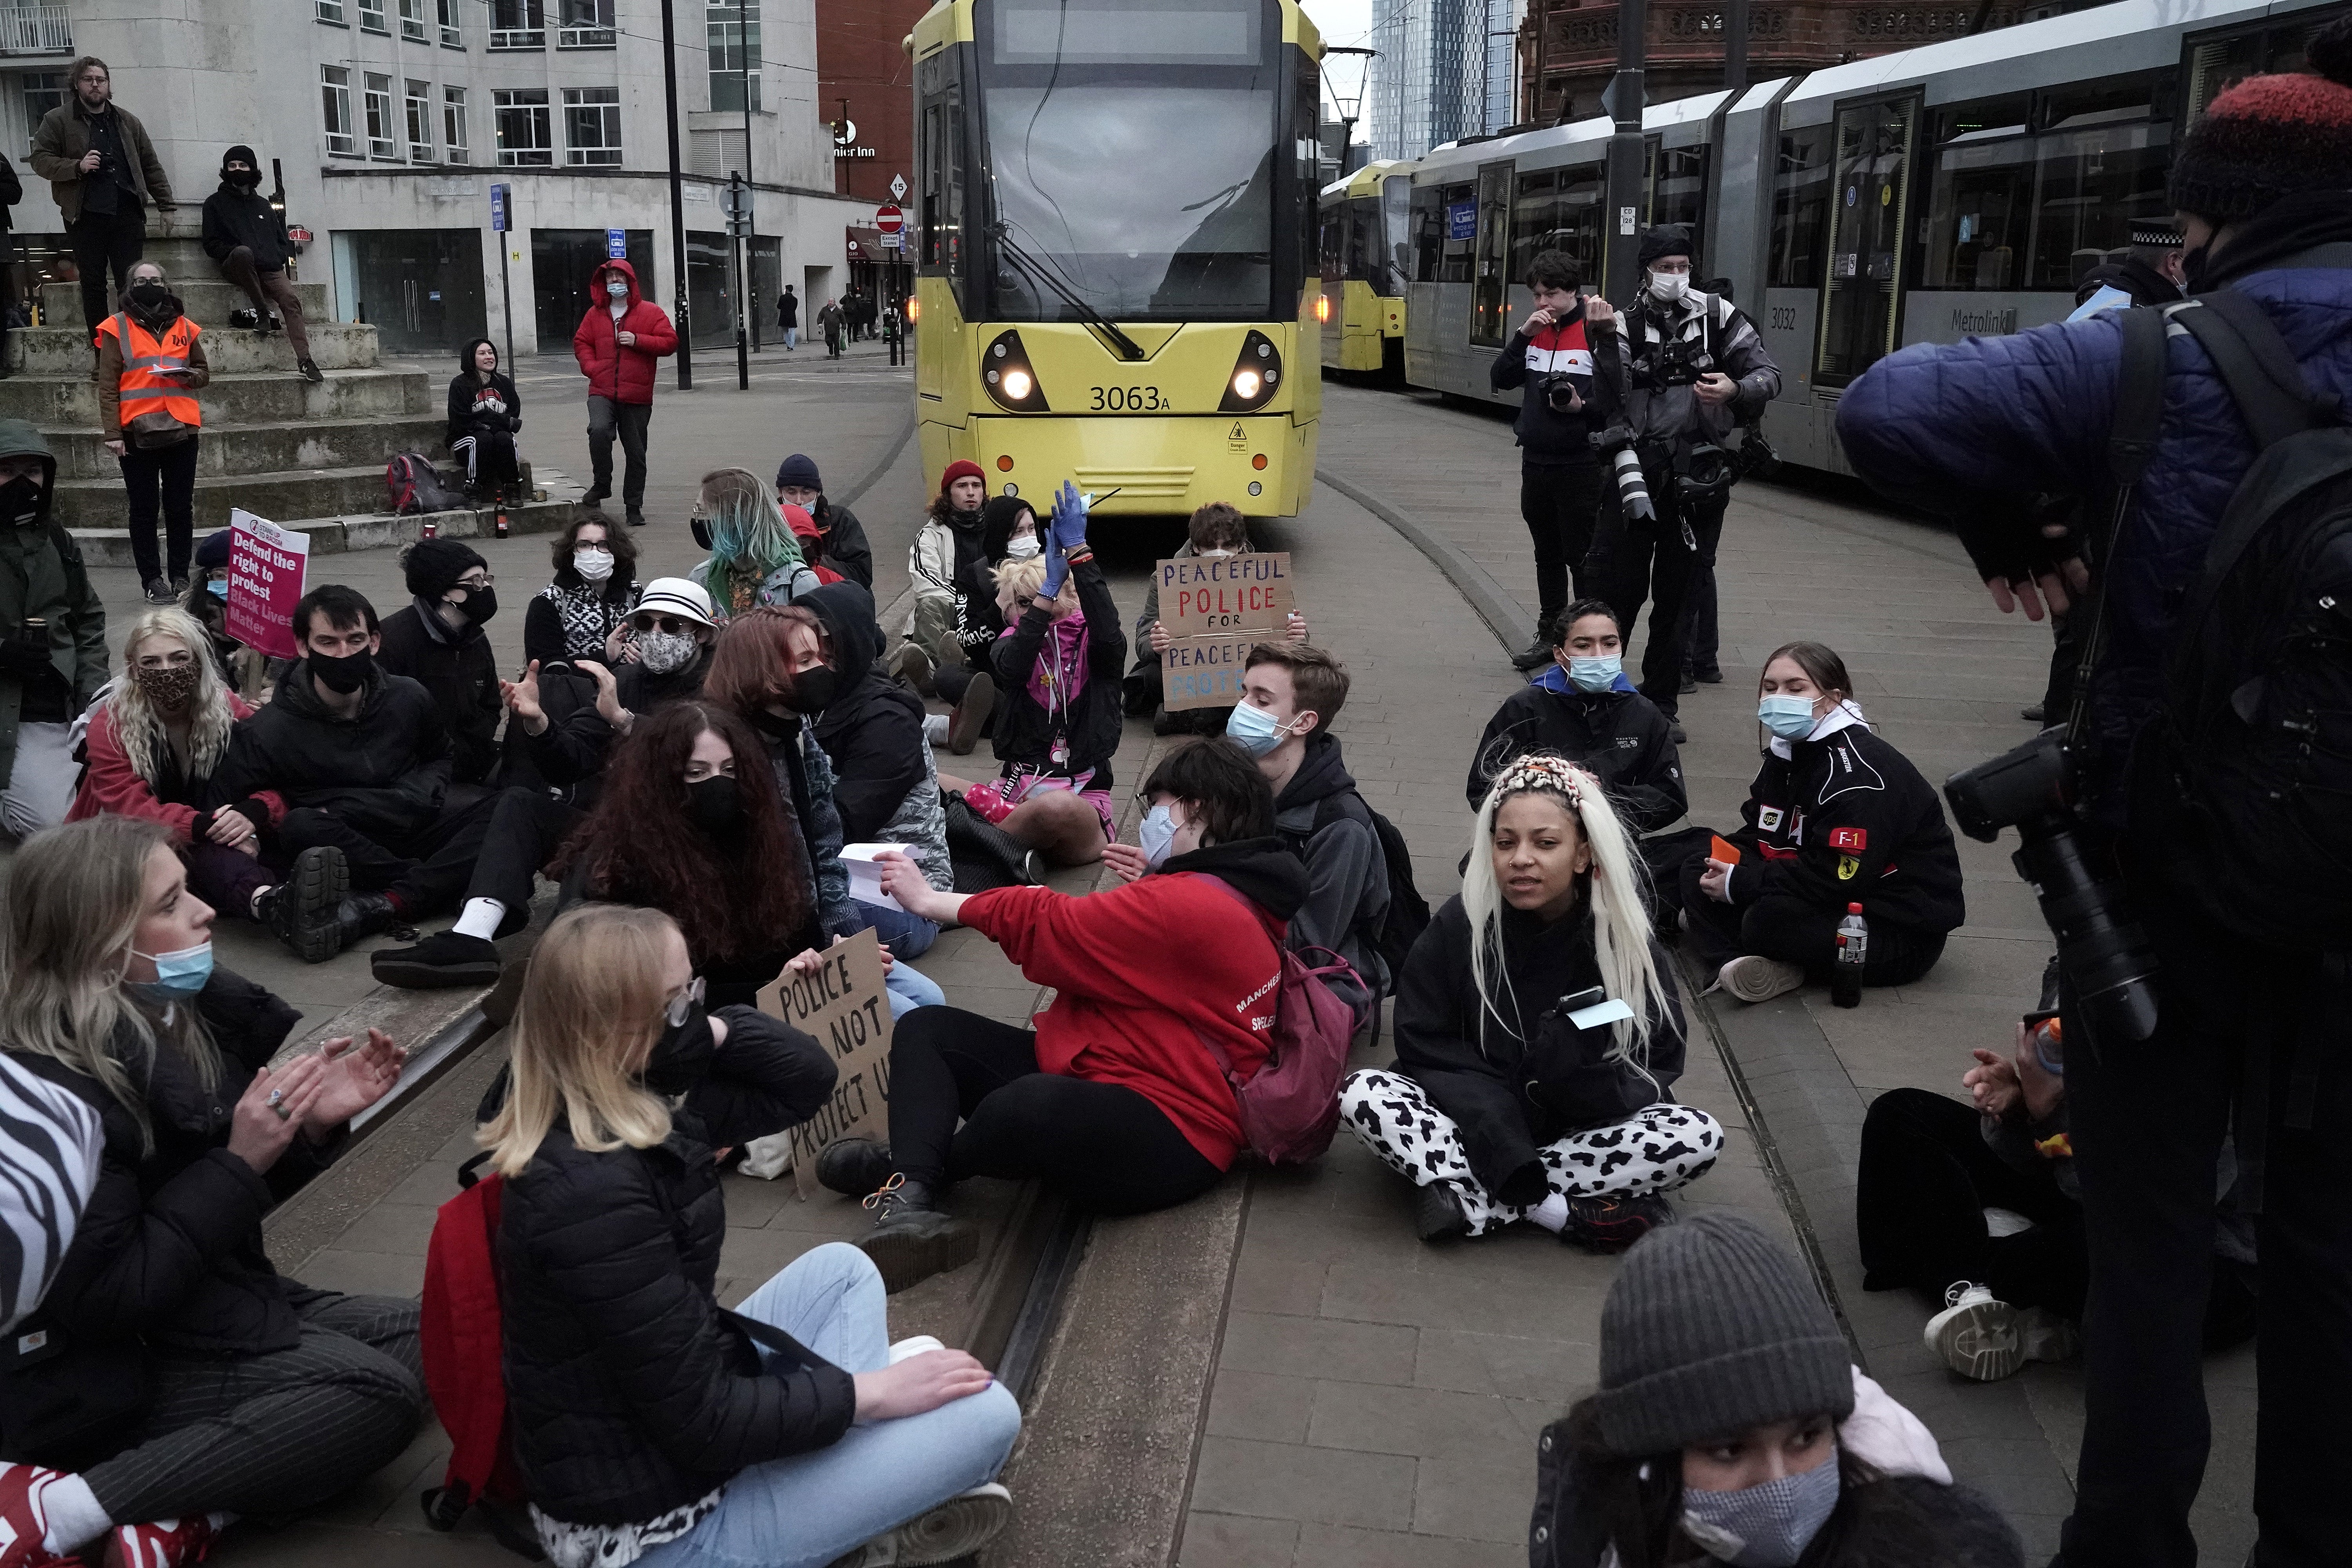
1291	1108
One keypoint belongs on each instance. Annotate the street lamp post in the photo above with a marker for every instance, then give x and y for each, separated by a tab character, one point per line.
676	197
750	229
1626	98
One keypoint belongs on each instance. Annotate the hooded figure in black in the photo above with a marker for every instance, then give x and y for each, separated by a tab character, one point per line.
437	642
871	727
485	413
247	235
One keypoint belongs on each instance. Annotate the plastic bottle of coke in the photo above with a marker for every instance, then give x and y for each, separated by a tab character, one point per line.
1852	953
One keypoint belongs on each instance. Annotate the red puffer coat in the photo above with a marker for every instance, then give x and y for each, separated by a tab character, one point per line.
622	372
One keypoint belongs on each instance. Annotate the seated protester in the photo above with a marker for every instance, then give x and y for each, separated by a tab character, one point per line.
1582	706
485	414
1119	1097
939	562
158	734
1981	1209
1836	816
203	1385
1218	529
583	614
52	638
1730	1426
1058	720
244	670
1500	1106
650	1425
756	555
841	538
672	631
362	759
438	642
1008	531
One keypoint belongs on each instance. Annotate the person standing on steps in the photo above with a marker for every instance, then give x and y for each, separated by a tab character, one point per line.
104	172
52	639
12	191
1559	482
150	360
247	237
619	339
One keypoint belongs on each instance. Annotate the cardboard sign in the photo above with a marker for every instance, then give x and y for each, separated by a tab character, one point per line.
1224	595
268	567
844	1007
1207	672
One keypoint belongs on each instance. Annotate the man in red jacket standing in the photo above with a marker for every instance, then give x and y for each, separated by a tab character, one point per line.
618	341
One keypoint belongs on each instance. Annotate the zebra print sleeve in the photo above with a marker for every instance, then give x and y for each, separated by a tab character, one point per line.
50	1148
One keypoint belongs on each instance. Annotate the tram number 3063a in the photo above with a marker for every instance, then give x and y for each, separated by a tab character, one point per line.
1130	400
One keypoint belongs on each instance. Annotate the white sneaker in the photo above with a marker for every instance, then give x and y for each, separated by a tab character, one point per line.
935	729
1754	978
913	1345
1975	1335
2048	1337
957	1528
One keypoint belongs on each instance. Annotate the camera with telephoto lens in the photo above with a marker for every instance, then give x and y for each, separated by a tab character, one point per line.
2100	946
1616	442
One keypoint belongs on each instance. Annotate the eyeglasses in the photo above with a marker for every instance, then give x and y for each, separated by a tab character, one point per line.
661	623
484	581
683	1004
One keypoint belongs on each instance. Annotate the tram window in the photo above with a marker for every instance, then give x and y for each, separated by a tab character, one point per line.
1577	227
1458	226
2095	182
1362	226
1679	193
1428	232
2091	102
1492	290
1868	221
1332	242
1800	210
1535	214
1395	238
1977	217
2217	66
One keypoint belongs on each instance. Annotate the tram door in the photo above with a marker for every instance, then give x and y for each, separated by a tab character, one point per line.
1490	283
1870	201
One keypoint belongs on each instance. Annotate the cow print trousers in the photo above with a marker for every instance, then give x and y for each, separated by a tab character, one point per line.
1659	1147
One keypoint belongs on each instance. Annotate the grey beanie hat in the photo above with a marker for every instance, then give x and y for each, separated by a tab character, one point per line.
1711	1328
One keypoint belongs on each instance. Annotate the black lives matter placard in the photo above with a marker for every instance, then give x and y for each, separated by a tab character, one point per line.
842	1004
1215	609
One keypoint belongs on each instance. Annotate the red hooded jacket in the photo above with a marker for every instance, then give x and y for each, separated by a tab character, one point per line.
112	786
622	372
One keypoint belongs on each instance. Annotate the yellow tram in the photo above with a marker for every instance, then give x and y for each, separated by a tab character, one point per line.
1113	236
1366	257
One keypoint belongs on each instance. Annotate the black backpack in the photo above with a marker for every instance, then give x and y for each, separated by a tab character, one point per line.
2257	721
1408	912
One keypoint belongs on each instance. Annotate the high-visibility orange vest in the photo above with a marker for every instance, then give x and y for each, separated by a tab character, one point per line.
144	392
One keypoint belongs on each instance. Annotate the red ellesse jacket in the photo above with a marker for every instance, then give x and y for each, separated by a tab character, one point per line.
623	372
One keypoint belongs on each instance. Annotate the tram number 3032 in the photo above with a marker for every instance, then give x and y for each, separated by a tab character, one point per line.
1130	400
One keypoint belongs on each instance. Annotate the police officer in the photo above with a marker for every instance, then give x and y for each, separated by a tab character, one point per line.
1673	374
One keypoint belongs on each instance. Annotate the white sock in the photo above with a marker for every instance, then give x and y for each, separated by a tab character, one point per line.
1551	1214
481	918
71	1510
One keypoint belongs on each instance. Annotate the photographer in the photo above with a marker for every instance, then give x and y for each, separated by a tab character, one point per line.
1560	483
1672	376
2242	1005
104	172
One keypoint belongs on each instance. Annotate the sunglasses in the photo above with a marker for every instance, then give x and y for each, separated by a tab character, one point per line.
662	623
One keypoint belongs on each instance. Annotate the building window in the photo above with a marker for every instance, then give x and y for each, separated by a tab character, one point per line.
419	106
372	17
592	125
733	28
330	11
453	124
383	136
44	91
585	25
524	141
335	99
517	24
412	19
452	13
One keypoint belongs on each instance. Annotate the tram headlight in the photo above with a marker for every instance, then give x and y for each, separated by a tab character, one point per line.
1011	383
1257	376
1323	307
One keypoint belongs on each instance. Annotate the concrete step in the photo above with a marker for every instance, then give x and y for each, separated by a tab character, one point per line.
357	489
335	345
71	403
261	449
203	294
109	544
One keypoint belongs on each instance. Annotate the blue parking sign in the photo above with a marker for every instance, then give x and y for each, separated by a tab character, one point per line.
616	244
499	195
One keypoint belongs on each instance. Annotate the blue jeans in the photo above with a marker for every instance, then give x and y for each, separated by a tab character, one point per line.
805	1510
909	990
905	935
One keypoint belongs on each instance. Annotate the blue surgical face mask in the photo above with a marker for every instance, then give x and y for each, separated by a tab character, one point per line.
1157	834
1766	1526
1791	718
185	971
1255	730
1595	674
218	588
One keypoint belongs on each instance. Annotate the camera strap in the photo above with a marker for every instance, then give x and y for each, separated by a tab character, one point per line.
2131	442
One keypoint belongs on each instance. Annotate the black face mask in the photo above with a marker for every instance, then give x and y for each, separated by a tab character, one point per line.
2192	268
148	295
345	675
480	605
714	805
244	179
20	498
814	689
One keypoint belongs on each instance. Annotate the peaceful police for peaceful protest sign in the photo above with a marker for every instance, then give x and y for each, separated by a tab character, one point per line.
842	1005
1215	609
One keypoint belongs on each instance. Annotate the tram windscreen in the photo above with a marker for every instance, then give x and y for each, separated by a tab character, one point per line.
1131	156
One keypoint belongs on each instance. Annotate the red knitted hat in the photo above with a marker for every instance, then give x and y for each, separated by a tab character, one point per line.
961	468
2272	136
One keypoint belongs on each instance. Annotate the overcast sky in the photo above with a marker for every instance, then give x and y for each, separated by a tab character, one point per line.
1344	22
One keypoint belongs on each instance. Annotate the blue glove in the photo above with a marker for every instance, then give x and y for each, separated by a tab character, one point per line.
1069	523
1057	565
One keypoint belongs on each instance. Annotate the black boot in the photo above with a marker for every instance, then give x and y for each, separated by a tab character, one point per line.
854	1167
361	915
444	961
1535	656
914	1238
301	910
1437	1214
596	495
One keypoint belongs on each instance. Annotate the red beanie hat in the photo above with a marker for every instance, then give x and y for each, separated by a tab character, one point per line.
2272	136
961	468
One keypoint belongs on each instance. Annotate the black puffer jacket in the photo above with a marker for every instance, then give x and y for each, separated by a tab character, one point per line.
385	771
1533	1078
873	729
461	671
1025	731
844	548
570	752
632	1392
1619	737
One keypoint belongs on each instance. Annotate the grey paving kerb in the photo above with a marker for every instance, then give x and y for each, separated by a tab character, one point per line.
1280	1375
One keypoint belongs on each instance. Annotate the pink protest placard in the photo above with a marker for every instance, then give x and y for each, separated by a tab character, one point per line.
268	568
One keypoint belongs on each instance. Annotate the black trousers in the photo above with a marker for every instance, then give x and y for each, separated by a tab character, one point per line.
1702	651
1101	1143
2148	1121
1634	559
1559	507
489	458
606	419
101	240
1794	931
169	472
2065	659
526	827
424	875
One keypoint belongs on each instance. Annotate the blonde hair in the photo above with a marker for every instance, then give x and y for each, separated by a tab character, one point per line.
589	1013
1621	922
74	897
139	728
748	530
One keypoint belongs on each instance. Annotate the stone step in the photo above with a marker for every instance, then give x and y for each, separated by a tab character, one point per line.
301	492
110	545
256	399
205	297
334	345
262	450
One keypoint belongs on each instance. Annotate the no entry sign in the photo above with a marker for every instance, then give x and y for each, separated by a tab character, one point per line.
889	220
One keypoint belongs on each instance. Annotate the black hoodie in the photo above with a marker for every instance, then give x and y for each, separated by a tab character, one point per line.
1618	736
385	771
234	216
1320	817
872	731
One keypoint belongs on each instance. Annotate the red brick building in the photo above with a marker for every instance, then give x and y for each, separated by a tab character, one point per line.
865	84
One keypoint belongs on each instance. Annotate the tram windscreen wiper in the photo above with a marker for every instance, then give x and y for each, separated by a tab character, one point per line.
1037	271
